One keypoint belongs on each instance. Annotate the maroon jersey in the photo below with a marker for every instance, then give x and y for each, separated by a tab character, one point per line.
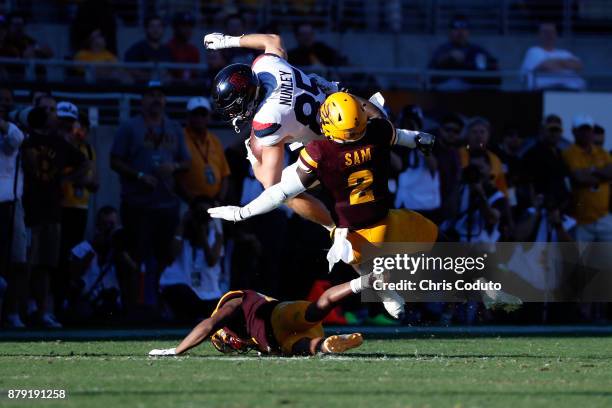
254	320
356	174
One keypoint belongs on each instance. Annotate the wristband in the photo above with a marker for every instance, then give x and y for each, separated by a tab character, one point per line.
232	42
140	175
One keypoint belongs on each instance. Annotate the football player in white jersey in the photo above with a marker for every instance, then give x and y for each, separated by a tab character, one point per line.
282	104
280	101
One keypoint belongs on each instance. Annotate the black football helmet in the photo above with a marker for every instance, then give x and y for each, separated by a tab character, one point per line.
235	93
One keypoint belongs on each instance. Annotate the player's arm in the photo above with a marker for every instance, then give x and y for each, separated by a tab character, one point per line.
202	330
414	139
269	43
268	172
373	111
293	182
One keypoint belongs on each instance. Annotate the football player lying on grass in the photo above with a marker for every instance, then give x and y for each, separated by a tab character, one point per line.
245	320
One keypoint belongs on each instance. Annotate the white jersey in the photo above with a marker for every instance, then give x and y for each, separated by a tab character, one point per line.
290	106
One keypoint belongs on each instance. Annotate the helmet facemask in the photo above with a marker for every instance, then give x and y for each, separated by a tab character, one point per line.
235	94
227	342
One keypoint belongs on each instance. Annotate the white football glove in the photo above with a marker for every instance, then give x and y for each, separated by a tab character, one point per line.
328	87
425	142
163	352
250	156
219	41
228	213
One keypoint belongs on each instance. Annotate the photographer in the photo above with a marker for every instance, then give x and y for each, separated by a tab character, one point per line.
191	285
48	161
102	274
481	207
12	227
545	221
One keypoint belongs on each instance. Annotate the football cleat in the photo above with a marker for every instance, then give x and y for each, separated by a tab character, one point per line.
500	300
340	343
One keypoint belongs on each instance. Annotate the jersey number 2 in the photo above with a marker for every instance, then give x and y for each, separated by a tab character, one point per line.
361	181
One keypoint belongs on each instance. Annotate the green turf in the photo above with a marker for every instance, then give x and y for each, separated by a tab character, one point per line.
483	372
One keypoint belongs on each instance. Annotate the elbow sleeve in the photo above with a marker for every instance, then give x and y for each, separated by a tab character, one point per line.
272	197
407	137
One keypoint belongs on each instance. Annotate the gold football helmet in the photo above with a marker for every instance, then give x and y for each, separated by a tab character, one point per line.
343	119
226	341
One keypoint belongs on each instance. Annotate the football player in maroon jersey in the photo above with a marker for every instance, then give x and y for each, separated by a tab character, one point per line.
245	320
353	165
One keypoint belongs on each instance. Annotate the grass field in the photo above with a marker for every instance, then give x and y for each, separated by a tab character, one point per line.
433	372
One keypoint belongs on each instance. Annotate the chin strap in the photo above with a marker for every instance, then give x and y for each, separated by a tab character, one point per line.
236	123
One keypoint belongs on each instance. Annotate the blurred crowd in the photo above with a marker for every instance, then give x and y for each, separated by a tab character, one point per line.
159	256
94	41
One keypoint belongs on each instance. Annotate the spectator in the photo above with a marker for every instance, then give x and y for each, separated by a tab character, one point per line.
545	222
95	14
509	152
26	46
96	51
234	25
48	103
543	166
591	171
182	50
481	208
12	227
6	102
446	152
547	268
419	180
147	152
215	62
310	52
46	160
75	196
460	55
208	174
7	50
192	284
599	135
548	67
96	268
150	49
477	132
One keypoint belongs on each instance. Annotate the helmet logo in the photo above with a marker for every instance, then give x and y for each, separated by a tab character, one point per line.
239	81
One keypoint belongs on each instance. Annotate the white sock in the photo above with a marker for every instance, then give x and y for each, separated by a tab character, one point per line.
356	285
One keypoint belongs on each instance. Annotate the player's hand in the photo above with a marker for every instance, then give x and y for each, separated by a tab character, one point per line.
219	41
228	213
163	352
425	142
328	87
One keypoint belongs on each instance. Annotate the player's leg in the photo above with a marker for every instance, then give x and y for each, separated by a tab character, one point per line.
400	226
338	343
310	208
316	311
307	346
391	300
